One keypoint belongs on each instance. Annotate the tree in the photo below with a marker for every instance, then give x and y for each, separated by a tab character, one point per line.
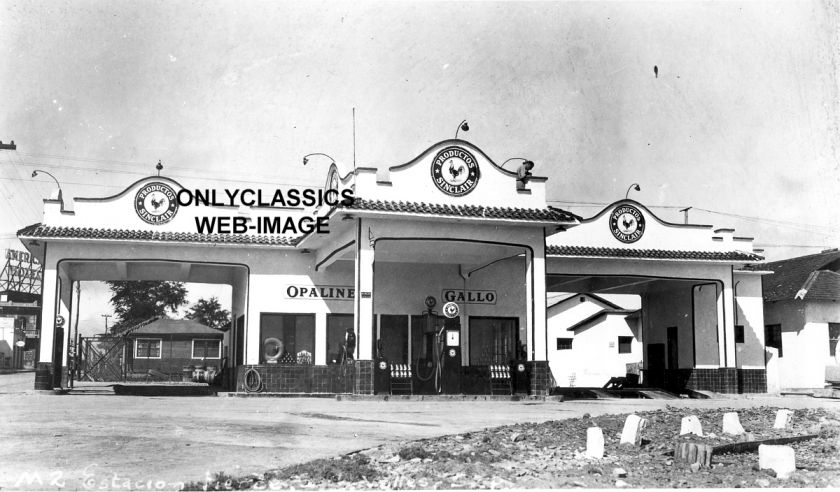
209	312
136	301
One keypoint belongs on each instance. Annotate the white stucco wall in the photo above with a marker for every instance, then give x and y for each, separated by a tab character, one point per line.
7	337
804	340
412	182
400	287
749	313
671	312
706	323
662	309
594	356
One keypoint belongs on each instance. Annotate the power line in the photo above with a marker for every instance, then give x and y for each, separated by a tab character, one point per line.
813	228
604	204
762	219
260	179
791	246
31	198
32	180
203	176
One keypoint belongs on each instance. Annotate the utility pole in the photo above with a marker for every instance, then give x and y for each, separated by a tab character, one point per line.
9	146
106	316
685	213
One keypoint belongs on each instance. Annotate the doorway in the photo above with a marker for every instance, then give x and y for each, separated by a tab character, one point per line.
655	374
673	348
494	340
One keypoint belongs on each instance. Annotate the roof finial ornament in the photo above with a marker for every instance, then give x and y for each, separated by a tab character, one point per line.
159	167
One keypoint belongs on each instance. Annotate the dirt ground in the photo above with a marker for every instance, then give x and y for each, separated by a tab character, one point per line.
107	442
550	455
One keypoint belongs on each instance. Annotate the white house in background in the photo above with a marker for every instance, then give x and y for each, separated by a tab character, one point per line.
802	318
592	339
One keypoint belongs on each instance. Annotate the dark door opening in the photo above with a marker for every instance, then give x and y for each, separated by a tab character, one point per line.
673	348
239	342
393	334
494	340
655	373
58	350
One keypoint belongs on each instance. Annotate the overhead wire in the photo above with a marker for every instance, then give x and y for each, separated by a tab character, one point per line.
258	179
203	176
823	246
813	228
29	198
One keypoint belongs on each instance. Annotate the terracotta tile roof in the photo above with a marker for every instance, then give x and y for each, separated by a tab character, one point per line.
584	322
811	277
658	254
166	326
554	300
47	232
550	214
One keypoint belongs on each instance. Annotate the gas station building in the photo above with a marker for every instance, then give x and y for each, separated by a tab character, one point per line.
439	268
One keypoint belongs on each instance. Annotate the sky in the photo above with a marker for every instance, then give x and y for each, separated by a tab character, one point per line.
739	121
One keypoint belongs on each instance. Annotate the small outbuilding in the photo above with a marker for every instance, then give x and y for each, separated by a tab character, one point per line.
167	345
594	340
802	318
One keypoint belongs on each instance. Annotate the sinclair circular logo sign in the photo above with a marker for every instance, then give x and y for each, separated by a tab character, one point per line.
155	203
451	310
455	171
627	223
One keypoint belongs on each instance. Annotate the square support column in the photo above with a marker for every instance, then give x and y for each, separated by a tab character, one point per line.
729	322
726	326
321	348
50	292
540	324
363	305
66	311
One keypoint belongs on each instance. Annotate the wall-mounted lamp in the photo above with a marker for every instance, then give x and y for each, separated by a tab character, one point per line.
462	126
634	186
307	156
347	217
305	251
35	173
34	243
159	167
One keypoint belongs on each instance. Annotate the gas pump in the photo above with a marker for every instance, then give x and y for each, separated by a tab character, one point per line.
450	377
381	372
439	355
428	353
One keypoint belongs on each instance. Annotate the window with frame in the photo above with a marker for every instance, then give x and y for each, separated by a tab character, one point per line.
773	337
337	325
493	340
206	348
295	331
147	348
833	337
625	345
394	334
739	333
564	343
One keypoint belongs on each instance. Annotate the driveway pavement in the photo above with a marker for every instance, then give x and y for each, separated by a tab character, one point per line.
107	442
